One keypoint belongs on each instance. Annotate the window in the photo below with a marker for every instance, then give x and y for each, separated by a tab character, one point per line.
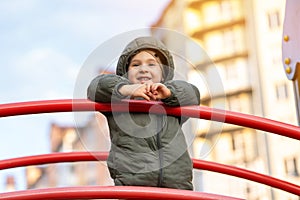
238	147
235	104
231	72
209	10
274	19
281	91
226	10
291	167
244	145
229	40
276	57
237	141
193	19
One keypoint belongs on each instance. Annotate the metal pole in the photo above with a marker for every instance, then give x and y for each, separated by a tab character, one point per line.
296	83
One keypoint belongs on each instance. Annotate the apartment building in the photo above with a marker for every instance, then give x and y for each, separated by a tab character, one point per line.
91	137
240	44
10	183
230	49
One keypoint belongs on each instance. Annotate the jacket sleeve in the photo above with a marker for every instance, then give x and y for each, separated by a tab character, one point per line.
182	94
104	88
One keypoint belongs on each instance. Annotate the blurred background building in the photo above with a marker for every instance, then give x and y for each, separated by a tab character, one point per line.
242	38
10	184
93	136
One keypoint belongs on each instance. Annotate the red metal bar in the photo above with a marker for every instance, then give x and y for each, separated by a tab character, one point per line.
110	192
52	158
69	105
246	120
247	174
198	164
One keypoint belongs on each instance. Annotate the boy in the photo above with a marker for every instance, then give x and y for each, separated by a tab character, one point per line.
146	149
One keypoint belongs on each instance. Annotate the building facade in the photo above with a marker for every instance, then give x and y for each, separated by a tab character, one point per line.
92	137
242	40
10	183
237	66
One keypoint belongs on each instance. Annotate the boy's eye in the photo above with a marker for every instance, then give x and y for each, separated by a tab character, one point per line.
152	64
134	65
139	64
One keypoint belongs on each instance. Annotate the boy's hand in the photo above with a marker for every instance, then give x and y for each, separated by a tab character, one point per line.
148	91
135	90
159	91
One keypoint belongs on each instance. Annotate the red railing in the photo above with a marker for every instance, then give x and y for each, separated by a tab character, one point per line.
198	164
111	192
68	105
202	112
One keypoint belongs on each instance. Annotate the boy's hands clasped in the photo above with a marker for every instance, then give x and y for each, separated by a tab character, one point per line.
148	90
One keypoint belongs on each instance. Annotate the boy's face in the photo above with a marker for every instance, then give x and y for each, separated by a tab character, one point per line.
145	67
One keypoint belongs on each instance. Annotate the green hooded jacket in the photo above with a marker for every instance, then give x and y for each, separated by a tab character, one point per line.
147	149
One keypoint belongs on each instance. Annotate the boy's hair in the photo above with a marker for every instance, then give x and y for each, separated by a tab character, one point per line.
156	55
147	43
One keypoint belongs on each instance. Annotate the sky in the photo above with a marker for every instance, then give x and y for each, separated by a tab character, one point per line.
45	46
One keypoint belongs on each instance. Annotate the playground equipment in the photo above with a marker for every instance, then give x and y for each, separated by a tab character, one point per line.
291	47
291	63
111	192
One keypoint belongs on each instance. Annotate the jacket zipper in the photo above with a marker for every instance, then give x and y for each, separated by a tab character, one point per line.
160	152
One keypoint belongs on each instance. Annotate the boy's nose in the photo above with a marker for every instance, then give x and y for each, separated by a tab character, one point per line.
143	68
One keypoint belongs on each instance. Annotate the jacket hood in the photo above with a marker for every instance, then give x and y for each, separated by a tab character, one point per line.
142	43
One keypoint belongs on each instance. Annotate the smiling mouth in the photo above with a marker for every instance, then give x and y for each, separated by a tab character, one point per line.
143	79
